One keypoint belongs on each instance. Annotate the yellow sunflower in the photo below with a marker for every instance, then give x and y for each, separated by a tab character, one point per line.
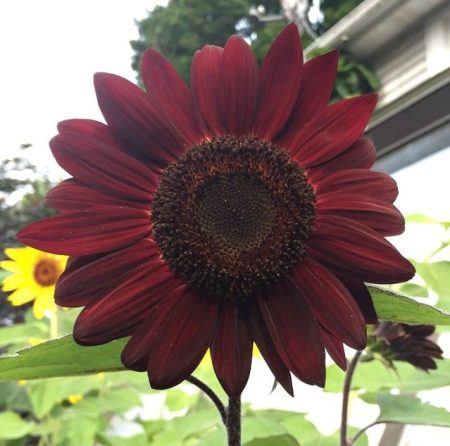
34	275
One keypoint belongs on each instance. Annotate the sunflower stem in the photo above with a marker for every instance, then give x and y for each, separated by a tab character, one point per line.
54	324
234	422
212	396
345	397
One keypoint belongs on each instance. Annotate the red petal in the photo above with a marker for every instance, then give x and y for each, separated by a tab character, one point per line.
335	349
295	333
129	112
238	96
268	350
351	246
170	93
103	167
91	231
360	155
70	195
118	313
359	181
89	278
339	126
206	86
172	338
317	84
362	297
331	303
278	83
89	128
383	217
231	351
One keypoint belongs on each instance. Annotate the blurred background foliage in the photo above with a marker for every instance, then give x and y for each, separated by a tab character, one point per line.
184	26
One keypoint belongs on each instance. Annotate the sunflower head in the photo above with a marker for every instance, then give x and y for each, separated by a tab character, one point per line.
395	341
33	278
237	210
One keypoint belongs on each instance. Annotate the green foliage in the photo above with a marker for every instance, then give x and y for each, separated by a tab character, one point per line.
373	376
12	426
184	26
406	409
61	357
392	306
334	10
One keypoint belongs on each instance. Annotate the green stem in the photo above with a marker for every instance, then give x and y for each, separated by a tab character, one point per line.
345	397
212	396
54	324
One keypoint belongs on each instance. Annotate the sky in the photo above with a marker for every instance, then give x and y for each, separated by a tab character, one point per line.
49	50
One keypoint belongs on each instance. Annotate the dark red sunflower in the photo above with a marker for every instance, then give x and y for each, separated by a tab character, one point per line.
394	341
240	210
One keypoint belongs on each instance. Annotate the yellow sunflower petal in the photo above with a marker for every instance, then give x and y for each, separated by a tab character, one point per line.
14	282
25	255
9	265
43	302
21	296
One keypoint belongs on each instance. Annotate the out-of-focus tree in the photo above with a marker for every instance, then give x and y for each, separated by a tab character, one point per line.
22	192
333	11
184	26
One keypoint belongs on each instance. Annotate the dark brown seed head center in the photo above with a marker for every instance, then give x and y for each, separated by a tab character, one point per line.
232	214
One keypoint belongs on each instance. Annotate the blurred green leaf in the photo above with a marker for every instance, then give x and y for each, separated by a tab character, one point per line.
437	277
14	396
410	410
12	426
193	424
412	289
396	307
278	440
136	440
176	399
61	357
77	432
45	393
374	376
425	219
20	333
257	427
307	434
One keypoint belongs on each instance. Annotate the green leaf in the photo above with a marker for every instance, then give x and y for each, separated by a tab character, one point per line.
420	218
278	440
409	410
46	393
425	219
374	376
177	399
19	333
396	307
14	396
61	357
181	428
437	277
412	289
260	427
12	426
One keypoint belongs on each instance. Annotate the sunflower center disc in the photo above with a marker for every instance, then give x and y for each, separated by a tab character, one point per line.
45	273
232	214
